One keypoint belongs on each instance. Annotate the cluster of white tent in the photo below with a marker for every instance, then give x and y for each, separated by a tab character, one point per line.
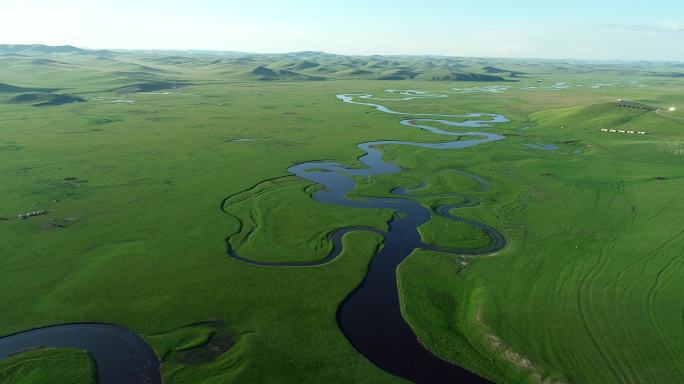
623	131
23	216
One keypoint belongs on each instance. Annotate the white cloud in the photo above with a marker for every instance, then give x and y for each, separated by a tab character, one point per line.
663	28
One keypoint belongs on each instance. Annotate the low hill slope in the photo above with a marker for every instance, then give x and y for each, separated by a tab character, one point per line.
267	74
470	76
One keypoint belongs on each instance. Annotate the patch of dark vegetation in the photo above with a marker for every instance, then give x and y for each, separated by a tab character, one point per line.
13	55
324	70
668	74
263	71
549	174
391	77
401	74
11	147
494	70
635	105
150	86
105	120
39	99
220	341
7	88
360	72
305	65
44	62
57	223
660	178
61	100
490	69
26	98
267	74
470	76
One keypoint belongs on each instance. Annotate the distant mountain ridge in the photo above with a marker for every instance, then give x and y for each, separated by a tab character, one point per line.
39	48
155	70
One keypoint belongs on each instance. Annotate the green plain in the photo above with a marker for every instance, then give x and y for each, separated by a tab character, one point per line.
588	289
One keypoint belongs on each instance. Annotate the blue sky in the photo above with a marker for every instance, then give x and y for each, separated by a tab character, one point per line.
652	30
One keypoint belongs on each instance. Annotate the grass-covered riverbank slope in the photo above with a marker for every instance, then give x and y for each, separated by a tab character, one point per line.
46	365
131	155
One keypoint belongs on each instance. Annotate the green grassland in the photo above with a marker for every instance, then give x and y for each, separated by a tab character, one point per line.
133	176
47	365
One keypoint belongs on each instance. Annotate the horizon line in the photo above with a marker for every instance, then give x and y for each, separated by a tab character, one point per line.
93	49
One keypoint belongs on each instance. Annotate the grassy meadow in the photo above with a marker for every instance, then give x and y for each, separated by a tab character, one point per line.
54	366
134	153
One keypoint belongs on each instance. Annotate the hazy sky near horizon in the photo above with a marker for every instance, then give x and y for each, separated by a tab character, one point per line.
583	29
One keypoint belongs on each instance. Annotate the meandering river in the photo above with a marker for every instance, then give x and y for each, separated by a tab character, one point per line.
121	357
370	316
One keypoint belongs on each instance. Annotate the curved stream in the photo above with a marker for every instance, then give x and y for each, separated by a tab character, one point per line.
370	316
121	357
